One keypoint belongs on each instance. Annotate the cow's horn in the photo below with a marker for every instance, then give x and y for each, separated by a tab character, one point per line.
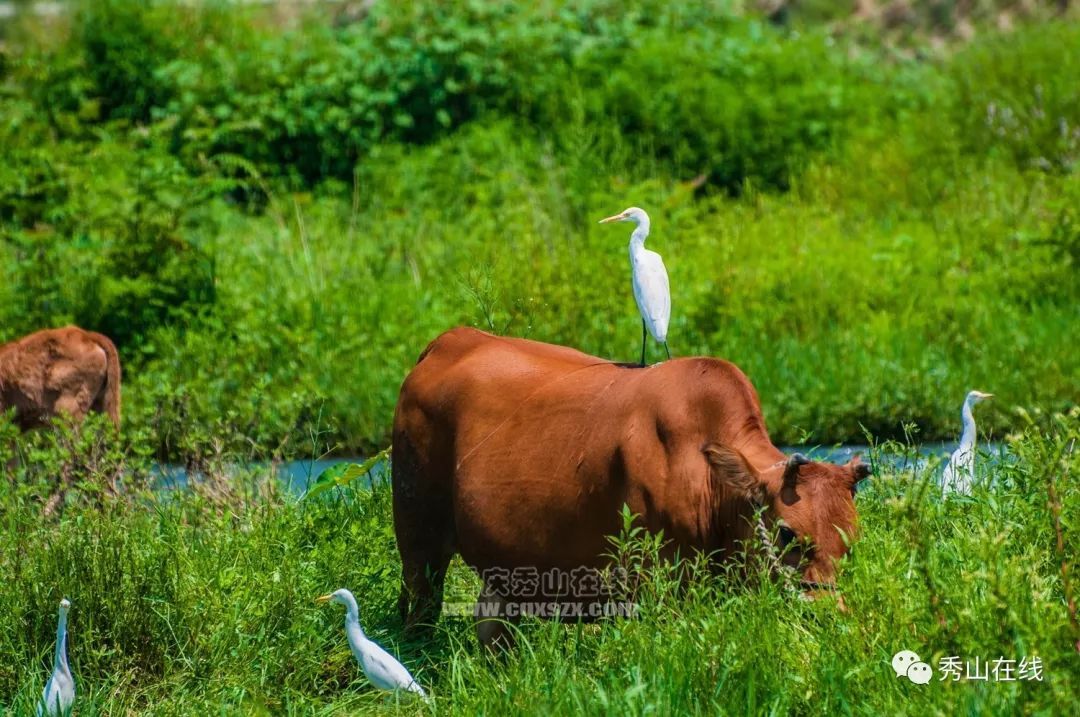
791	469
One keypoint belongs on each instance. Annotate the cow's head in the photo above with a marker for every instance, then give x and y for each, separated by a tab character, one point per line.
809	507
813	506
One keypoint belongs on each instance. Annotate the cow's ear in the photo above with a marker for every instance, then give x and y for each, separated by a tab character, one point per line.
731	469
791	469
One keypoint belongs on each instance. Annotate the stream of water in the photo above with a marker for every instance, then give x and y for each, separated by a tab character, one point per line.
299	475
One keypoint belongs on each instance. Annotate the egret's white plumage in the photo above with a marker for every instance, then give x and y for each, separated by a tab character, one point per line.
960	471
59	692
382	668
650	279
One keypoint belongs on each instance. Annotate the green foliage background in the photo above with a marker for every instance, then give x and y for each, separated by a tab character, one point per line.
272	214
273	217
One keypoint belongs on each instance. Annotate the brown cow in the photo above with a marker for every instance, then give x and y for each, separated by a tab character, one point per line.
519	454
59	371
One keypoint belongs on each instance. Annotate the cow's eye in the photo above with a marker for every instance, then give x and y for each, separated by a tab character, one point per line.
786	535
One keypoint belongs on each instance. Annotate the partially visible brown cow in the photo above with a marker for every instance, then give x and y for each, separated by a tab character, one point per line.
59	371
519	455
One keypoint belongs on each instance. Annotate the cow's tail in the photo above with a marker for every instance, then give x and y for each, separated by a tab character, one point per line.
111	389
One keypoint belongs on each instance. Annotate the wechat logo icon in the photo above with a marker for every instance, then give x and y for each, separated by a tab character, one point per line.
907	664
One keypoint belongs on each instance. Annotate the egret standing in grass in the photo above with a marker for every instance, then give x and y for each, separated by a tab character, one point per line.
960	470
384	671
59	692
650	280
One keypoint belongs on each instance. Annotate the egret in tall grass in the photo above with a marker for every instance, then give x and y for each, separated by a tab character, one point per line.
650	280
59	692
961	468
384	671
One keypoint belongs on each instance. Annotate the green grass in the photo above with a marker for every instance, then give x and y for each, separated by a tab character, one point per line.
201	603
873	296
871	242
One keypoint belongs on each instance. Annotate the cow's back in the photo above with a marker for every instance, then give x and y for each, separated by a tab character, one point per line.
535	448
53	371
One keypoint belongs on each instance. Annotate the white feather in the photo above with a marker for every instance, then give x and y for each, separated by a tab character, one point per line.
59	692
381	668
649	277
960	471
651	290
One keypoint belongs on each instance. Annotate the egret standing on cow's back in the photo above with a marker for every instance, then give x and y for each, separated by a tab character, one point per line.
650	280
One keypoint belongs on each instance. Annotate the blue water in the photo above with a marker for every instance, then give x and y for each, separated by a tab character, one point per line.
297	476
300	475
917	457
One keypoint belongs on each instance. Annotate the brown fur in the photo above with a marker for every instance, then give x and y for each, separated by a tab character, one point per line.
59	371
516	453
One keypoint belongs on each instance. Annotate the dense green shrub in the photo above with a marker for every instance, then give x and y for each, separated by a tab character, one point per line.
908	266
704	90
124	46
738	103
97	235
1018	95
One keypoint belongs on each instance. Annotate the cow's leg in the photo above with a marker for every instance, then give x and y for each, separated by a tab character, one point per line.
422	578
424	526
75	403
71	405
493	623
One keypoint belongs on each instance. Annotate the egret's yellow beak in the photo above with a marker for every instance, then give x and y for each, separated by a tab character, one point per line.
323	598
985	395
615	218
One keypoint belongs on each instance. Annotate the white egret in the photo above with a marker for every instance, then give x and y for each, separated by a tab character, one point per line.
960	470
650	280
59	692
384	671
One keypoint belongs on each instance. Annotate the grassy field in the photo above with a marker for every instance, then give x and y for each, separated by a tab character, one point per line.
272	215
202	603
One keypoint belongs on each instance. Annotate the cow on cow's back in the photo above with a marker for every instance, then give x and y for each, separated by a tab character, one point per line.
55	372
520	455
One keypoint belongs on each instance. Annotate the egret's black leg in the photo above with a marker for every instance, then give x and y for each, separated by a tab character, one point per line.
667	350
643	335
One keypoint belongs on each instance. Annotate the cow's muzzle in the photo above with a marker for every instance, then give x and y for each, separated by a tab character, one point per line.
812	586
812	590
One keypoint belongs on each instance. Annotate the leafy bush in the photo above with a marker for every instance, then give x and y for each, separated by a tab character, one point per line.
738	103
124	44
905	268
1018	95
96	236
705	90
